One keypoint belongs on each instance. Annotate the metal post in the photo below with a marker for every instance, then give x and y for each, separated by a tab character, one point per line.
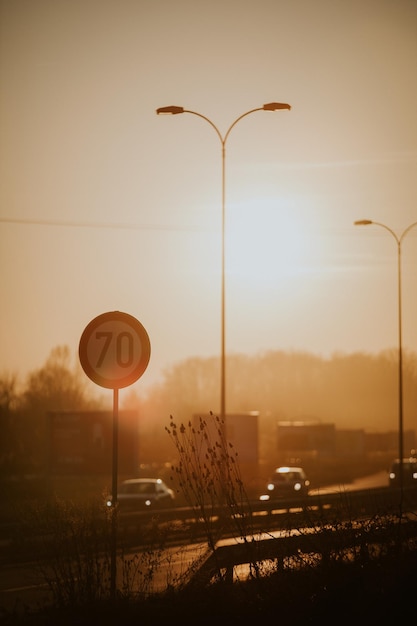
398	241
113	556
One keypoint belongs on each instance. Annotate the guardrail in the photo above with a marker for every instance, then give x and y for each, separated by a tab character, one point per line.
185	525
319	545
261	516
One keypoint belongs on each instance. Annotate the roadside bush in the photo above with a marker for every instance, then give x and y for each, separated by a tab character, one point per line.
208	476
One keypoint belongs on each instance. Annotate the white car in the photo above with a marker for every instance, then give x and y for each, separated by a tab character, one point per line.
142	493
287	482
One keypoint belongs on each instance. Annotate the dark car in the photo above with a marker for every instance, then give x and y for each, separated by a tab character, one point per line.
409	473
287	482
142	493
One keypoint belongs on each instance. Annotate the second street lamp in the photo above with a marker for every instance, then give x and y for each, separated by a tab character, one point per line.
175	110
398	240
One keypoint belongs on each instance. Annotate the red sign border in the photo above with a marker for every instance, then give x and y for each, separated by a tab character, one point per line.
141	366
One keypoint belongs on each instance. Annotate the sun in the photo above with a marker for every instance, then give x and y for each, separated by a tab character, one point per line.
266	240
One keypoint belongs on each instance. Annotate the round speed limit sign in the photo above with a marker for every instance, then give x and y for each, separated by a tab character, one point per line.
114	350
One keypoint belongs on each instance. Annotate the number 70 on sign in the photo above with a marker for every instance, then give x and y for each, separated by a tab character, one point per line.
114	350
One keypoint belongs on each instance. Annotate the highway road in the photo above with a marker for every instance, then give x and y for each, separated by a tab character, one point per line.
24	584
379	479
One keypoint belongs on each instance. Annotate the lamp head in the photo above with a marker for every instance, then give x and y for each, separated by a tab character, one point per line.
362	222
171	110
274	106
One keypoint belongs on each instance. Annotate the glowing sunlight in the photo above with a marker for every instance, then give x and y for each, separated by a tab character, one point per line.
267	239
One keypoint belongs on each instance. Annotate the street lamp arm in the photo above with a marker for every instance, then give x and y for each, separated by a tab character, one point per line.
406	230
397	238
238	120
368	222
222	138
175	110
271	106
209	121
389	230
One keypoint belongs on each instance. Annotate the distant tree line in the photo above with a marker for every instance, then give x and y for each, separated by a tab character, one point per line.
352	391
54	387
356	390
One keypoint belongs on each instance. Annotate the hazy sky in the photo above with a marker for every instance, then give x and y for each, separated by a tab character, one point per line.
106	206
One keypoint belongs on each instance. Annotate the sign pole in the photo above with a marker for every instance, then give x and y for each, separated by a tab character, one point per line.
113	566
114	352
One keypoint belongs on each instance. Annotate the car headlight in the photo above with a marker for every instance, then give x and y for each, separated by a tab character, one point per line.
270	486
297	486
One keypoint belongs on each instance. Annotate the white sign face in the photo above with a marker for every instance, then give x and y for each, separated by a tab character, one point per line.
114	350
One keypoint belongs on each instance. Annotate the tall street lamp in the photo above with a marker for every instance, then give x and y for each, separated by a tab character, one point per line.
398	240
175	110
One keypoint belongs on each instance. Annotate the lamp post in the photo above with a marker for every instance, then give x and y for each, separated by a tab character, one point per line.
175	110
398	240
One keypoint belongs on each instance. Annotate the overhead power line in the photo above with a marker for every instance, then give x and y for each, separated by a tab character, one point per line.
77	224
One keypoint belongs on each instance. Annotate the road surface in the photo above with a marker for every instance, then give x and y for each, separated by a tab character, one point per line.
24	584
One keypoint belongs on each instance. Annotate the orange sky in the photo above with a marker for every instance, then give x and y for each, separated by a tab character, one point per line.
106	206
